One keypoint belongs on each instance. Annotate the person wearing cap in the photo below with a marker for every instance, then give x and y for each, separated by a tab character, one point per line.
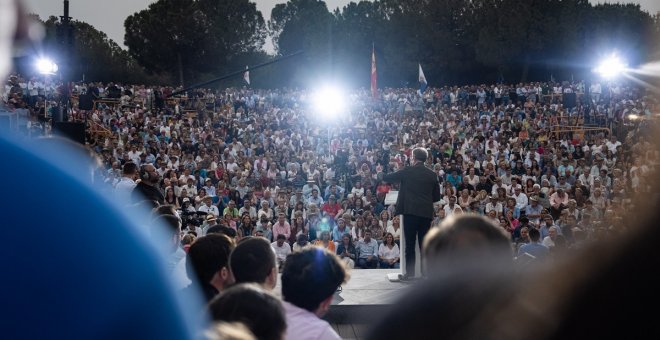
185	203
307	189
419	189
533	210
296	197
208	207
208	186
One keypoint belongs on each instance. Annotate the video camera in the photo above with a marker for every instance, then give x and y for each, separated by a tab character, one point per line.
196	218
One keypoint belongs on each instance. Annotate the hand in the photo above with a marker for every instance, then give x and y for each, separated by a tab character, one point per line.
369	258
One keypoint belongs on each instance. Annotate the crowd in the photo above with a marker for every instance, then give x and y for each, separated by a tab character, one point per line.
262	163
229	169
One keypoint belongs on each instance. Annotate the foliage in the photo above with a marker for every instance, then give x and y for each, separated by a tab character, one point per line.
92	55
455	41
190	38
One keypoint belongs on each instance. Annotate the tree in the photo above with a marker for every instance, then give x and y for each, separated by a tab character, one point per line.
94	56
303	25
192	38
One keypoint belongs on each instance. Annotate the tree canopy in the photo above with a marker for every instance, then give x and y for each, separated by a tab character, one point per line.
460	41
194	38
455	41
92	55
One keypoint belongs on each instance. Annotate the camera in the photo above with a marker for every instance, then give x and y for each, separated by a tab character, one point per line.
194	218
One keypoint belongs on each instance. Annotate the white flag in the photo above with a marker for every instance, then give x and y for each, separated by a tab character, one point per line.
422	81
246	75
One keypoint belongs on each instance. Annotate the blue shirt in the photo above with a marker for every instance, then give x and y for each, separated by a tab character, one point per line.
535	249
337	235
367	249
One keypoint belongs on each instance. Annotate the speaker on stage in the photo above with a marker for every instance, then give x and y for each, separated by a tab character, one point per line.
569	100
73	131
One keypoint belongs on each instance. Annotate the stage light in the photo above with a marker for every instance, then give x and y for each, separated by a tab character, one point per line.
633	117
329	101
46	66
611	67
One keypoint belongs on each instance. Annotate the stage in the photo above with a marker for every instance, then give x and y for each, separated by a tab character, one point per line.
362	300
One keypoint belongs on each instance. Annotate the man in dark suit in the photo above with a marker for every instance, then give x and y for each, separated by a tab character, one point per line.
419	190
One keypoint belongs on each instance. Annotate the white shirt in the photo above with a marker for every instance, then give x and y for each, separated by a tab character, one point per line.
123	190
612	146
548	242
521	201
387	253
281	252
395	233
212	209
305	325
134	156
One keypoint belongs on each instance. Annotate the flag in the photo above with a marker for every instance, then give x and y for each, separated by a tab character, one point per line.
246	75
422	81
374	76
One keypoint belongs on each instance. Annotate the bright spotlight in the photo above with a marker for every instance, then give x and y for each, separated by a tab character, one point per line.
46	66
329	101
611	67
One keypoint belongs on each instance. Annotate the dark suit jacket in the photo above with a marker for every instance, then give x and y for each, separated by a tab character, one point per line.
419	190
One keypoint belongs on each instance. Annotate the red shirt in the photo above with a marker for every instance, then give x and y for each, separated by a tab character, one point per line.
331	209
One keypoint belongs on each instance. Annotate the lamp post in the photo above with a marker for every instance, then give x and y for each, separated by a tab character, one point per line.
46	68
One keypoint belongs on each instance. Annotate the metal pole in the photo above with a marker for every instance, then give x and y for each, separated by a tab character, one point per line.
233	74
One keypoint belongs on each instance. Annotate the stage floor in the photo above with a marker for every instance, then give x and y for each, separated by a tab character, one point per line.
364	287
369	287
362	301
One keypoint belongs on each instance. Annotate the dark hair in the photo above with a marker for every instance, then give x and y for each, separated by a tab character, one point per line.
129	168
311	276
207	255
534	234
166	209
420	154
171	223
221	229
385	238
281	237
252	260
253	306
467	237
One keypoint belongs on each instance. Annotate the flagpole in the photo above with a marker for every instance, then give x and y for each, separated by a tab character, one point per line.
374	75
